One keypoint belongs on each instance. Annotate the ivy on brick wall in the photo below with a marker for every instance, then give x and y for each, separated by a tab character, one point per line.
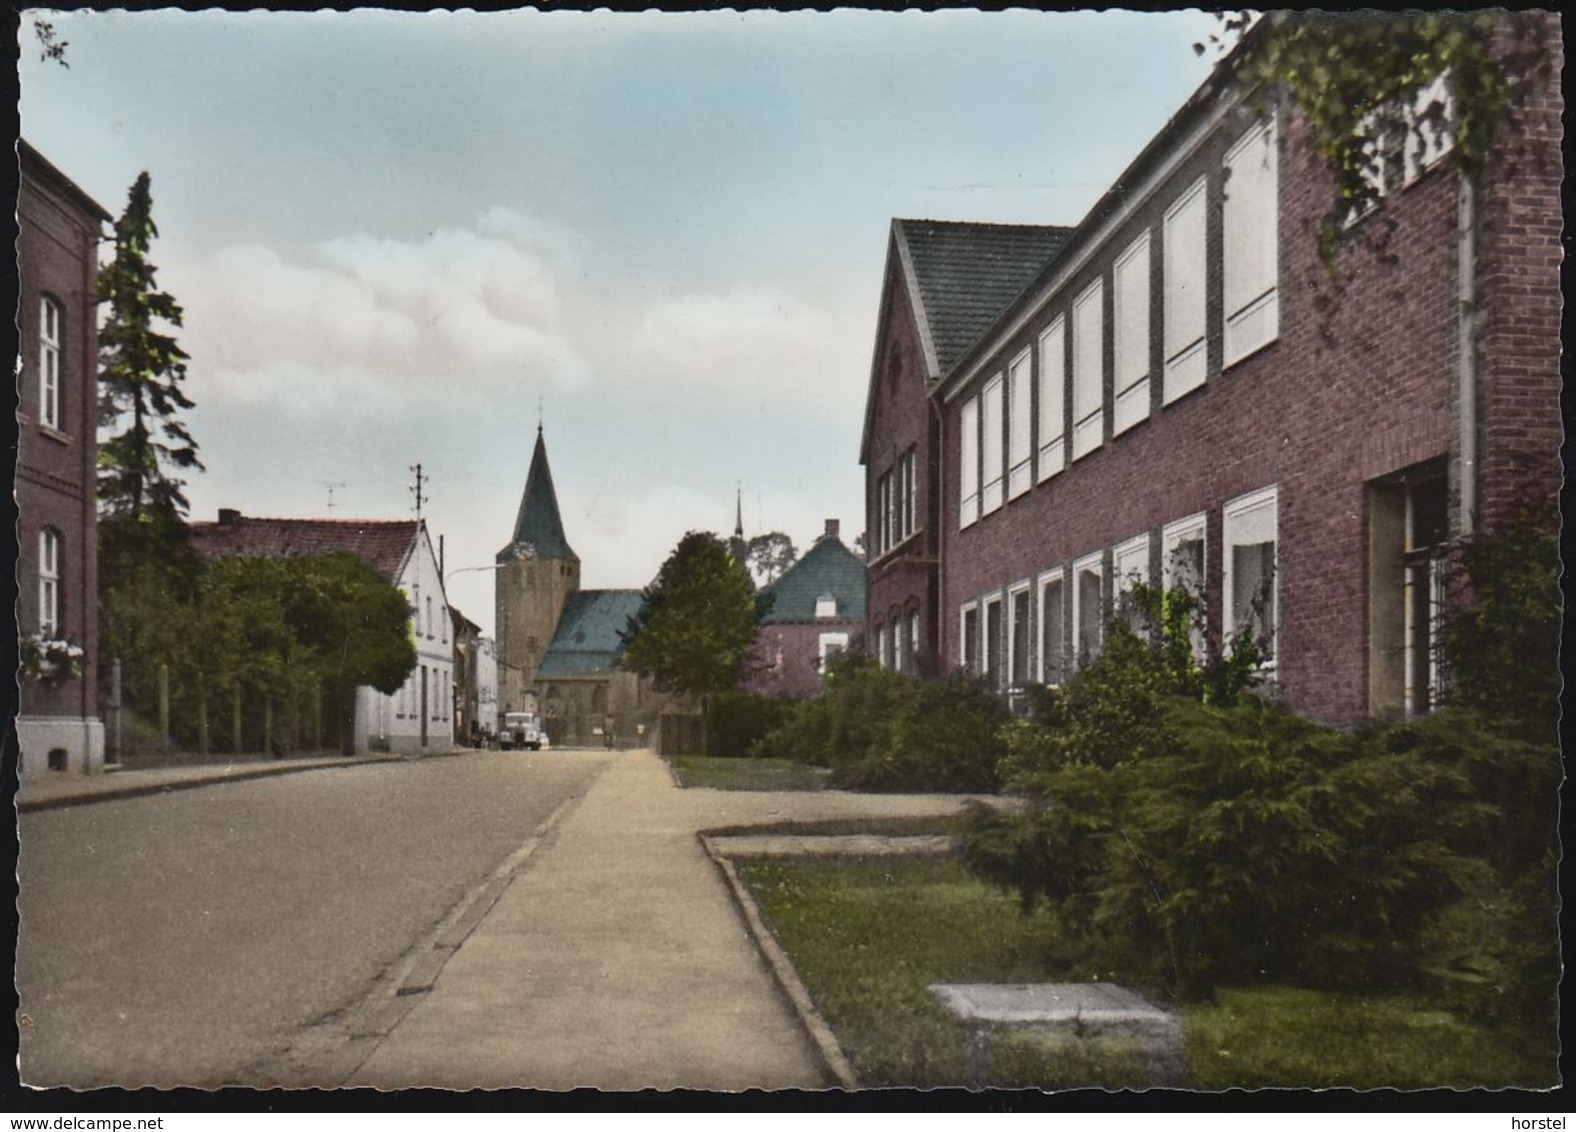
1347	70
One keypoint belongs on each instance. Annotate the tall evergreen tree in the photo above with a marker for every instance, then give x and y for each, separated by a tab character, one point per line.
141	371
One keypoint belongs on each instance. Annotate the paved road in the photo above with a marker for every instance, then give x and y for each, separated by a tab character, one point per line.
184	938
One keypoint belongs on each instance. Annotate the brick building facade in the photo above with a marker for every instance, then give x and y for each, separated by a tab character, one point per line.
59	230
1183	396
815	610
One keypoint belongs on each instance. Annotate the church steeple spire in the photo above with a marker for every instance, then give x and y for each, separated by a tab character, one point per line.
538	529
738	514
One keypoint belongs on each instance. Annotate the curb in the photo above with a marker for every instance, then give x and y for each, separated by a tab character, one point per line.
141	790
788	981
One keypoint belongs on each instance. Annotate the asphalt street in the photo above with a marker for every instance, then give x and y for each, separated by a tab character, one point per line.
186	938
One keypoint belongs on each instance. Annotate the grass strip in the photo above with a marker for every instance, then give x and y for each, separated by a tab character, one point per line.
869	937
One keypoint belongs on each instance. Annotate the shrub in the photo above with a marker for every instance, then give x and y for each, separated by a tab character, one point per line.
1191	844
947	740
736	720
1501	640
877	730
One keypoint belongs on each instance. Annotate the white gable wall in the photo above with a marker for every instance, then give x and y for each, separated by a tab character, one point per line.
420	716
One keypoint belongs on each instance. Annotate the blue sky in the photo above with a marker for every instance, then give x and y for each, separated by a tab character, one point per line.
395	234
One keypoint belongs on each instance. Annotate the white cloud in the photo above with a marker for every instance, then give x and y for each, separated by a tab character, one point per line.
459	312
749	342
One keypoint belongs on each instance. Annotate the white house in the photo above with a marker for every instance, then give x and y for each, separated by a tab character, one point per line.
420	715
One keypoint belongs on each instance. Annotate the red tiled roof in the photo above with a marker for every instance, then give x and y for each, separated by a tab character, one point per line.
382	544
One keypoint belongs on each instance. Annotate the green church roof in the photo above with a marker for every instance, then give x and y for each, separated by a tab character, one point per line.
590	634
829	569
538	529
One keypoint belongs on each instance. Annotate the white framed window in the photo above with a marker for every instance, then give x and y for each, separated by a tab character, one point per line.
1129	568
829	645
913	638
1053	636
50	339
969	637
992	645
1020	627
1403	140
1020	424
1249	565
969	462
1088	608
909	495
1182	564
1434	115
1130	313
900	646
1185	287
883	642
1089	370
990	445
1053	399
48	581
826	607
429	618
1250	222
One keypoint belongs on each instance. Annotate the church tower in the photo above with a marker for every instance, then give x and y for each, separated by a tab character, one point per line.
537	572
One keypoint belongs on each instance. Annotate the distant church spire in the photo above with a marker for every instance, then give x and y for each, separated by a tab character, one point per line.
738	513
538	529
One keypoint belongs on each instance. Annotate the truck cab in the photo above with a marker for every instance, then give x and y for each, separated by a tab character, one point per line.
522	730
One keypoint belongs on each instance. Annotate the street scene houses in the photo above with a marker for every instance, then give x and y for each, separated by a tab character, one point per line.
60	226
420	716
1176	392
944	766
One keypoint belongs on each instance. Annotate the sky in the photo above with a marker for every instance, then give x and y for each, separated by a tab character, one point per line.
408	238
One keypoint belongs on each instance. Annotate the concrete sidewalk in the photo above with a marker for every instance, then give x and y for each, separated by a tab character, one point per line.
52	791
617	959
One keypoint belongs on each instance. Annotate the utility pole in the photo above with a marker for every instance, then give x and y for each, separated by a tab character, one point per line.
416	490
331	485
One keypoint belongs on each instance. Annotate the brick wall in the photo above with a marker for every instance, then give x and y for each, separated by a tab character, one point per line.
1519	299
1359	385
902	580
57	250
785	658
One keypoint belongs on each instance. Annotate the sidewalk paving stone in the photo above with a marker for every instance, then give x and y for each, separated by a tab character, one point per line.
618	959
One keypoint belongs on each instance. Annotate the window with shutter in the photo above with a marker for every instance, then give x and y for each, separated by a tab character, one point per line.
1184	288
990	446
968	462
1053	399
1130	299
1020	393
1088	371
1250	223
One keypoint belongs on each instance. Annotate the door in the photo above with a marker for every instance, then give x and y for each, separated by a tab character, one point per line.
424	705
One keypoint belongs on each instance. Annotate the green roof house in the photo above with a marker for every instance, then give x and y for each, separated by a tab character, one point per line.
817	609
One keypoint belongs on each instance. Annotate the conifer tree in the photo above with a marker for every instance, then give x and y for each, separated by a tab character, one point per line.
141	371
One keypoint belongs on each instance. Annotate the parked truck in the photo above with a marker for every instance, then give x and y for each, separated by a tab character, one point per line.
522	730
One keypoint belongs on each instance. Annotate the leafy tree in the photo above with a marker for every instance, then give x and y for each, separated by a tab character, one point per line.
141	371
768	556
697	620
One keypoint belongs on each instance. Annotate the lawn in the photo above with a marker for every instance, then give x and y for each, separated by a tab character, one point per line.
748	774
868	938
